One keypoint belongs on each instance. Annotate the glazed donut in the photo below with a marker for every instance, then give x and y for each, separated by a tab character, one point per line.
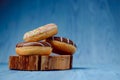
33	48
63	46
41	33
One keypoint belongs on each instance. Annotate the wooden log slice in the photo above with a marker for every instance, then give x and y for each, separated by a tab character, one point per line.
36	62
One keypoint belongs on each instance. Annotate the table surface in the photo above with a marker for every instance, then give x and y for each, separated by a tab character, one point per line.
109	72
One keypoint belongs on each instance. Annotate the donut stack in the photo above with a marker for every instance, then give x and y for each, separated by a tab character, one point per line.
42	41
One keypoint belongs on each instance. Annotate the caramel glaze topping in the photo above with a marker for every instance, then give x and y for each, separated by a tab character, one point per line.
43	44
61	39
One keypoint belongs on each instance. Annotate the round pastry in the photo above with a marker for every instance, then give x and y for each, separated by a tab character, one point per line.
62	45
41	33
33	48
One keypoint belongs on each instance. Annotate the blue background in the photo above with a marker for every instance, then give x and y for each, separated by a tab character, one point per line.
94	25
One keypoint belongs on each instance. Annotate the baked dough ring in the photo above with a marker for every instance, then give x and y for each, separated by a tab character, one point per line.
33	48
41	33
62	45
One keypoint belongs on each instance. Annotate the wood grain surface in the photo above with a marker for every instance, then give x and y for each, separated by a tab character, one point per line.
36	62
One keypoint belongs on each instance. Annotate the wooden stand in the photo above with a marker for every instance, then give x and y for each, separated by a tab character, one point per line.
36	62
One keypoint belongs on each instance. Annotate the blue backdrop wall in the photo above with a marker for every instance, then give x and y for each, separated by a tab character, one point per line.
92	24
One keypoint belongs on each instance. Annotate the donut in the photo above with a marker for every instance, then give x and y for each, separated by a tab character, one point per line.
33	48
41	33
63	46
